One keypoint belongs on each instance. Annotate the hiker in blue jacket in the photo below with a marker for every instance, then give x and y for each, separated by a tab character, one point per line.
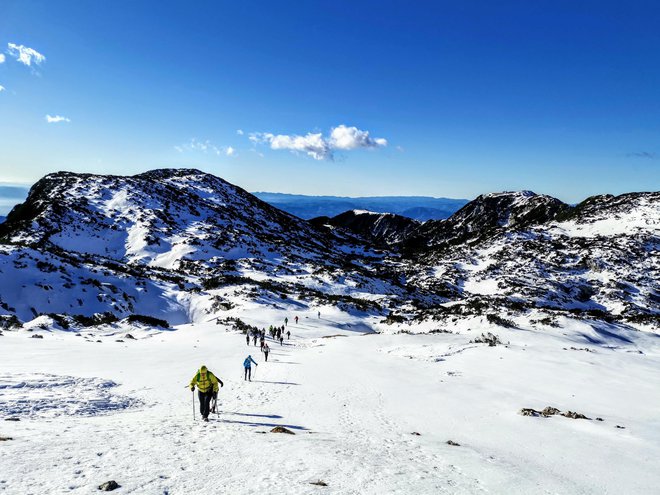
247	364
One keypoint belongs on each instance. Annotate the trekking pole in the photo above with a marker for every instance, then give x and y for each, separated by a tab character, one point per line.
193	404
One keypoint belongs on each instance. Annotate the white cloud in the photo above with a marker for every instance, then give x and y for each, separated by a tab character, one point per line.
2	88
239	132
206	147
350	138
2	58
54	119
318	147
25	55
313	145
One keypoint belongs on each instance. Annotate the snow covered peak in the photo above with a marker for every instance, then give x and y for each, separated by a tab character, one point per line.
366	212
157	218
515	194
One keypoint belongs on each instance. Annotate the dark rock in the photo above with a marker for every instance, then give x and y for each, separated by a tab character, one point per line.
416	433
600	419
4	439
453	444
574	415
129	336
108	486
37	336
119	340
491	339
318	483
620	427
12	419
528	411
550	411
282	429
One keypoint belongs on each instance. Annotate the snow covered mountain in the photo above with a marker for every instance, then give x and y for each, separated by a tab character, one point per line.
597	260
379	228
486	216
182	245
157	243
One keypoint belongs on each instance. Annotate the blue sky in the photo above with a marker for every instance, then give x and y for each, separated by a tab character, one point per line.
345	98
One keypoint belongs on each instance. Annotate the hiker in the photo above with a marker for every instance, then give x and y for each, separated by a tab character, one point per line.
247	364
266	350
263	342
207	389
255	339
281	339
247	338
319	315
288	335
286	321
296	320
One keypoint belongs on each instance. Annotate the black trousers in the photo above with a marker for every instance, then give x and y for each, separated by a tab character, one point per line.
248	373
205	402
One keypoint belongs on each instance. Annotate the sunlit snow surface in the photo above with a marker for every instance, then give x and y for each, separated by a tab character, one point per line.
39	395
353	399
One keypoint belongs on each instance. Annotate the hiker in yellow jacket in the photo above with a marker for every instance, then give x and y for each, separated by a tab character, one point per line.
207	389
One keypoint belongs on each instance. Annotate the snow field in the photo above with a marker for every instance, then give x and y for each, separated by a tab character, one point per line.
353	400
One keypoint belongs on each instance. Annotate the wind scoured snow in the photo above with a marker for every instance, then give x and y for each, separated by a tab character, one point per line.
38	395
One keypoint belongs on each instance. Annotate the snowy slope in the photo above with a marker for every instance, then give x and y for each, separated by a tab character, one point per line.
121	410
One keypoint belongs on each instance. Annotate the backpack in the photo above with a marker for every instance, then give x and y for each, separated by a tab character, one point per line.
208	373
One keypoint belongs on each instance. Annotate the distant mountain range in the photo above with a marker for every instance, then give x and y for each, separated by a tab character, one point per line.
10	196
420	208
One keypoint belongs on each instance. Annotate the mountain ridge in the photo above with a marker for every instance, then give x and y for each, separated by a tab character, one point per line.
183	245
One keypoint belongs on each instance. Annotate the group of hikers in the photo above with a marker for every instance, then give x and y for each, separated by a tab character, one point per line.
208	384
276	333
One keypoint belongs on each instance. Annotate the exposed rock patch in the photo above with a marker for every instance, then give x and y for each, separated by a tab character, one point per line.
109	486
282	429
